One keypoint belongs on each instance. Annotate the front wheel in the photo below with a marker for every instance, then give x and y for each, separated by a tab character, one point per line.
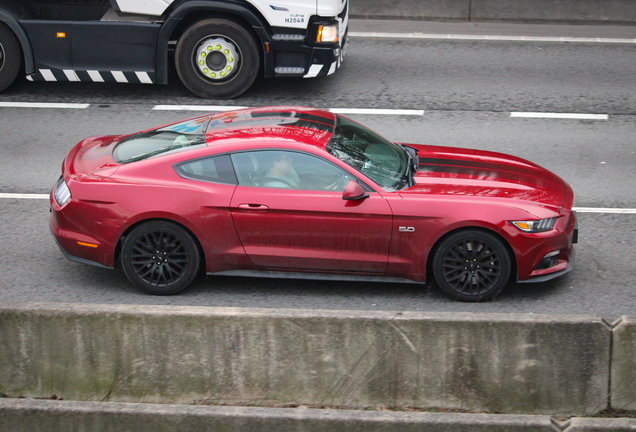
217	58
472	266
9	57
160	258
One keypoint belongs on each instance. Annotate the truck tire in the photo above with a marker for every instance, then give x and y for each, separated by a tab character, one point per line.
217	59
10	57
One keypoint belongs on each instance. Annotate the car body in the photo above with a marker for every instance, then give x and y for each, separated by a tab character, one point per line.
217	192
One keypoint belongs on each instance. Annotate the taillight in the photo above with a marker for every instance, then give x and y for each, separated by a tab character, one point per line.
62	192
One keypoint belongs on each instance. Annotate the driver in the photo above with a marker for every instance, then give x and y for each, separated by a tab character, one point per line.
280	172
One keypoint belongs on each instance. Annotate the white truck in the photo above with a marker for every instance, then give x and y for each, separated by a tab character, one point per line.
219	46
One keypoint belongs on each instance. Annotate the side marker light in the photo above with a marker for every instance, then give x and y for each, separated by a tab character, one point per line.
90	245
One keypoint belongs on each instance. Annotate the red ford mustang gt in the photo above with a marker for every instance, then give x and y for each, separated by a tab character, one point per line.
303	193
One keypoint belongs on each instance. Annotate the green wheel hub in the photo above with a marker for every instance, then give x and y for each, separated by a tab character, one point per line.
216	58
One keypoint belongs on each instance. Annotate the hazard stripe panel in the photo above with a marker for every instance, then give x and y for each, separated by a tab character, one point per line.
136	77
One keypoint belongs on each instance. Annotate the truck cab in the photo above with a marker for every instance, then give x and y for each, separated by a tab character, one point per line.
219	46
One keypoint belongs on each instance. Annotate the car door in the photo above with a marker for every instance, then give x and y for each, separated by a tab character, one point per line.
300	220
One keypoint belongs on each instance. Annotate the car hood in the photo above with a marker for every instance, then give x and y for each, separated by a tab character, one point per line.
92	156
466	172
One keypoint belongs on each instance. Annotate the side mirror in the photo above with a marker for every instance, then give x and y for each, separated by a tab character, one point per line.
354	191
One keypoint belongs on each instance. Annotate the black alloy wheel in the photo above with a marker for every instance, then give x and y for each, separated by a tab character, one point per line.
472	266
160	258
10	57
217	59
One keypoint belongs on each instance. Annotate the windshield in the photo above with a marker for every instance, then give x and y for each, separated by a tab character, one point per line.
177	137
382	161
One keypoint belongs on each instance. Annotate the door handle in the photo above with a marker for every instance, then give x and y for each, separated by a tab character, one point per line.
253	207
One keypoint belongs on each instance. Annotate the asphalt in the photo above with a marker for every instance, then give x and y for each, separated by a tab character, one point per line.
582	77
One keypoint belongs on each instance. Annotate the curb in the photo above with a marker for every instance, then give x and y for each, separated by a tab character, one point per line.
25	415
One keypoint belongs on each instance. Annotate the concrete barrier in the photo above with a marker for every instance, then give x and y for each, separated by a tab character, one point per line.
556	11
21	415
579	424
623	373
535	11
431	10
43	416
483	362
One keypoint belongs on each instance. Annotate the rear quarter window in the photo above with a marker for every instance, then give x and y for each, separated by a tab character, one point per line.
216	169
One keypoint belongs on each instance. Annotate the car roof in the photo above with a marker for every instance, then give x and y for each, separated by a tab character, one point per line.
298	125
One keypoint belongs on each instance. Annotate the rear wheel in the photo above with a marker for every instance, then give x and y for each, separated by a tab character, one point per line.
472	266
9	57
160	258
217	58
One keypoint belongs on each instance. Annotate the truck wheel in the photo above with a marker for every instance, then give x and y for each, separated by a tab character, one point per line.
217	58
10	60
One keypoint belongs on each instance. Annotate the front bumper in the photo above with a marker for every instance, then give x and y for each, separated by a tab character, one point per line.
293	59
560	264
546	277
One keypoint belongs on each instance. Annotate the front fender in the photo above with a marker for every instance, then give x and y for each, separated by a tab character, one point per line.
11	17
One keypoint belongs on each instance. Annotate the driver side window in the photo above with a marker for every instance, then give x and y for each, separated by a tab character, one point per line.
280	169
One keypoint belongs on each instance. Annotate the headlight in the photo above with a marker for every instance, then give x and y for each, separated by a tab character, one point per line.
327	33
535	226
62	192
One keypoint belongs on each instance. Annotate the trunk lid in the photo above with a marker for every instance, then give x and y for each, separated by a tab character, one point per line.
92	156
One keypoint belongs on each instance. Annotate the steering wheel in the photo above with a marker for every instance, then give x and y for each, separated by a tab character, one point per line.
265	180
331	183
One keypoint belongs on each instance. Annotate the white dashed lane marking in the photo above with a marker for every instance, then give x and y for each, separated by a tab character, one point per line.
360	111
491	37
213	108
23	196
43	105
210	108
572	116
374	111
604	210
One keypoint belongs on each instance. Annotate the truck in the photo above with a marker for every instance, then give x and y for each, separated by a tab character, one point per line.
218	47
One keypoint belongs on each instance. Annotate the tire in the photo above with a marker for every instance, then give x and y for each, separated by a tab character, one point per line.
10	57
217	59
472	266
160	258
